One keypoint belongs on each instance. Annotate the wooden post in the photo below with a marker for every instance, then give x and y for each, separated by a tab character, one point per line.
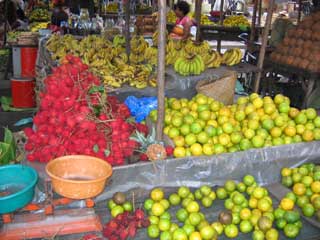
221	23
6	3
253	22
263	46
198	18
127	26
260	13
299	11
162	25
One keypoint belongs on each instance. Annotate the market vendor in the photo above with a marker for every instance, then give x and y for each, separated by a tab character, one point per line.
182	29
58	13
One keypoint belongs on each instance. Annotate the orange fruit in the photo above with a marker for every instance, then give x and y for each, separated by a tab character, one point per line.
157	194
307	136
178	141
299	189
179	152
290	131
285	172
275	132
315	187
286	204
245	214
264	205
196	149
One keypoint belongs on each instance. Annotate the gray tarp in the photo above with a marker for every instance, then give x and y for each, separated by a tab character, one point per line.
264	164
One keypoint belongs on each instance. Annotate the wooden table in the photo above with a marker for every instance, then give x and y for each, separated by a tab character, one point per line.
306	79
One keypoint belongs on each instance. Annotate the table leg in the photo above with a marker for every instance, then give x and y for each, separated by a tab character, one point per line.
310	87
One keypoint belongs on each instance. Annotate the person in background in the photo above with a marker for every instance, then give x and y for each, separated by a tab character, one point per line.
58	13
184	22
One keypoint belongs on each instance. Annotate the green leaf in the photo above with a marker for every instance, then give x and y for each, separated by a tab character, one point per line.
106	152
5	153
95	89
9	139
96	148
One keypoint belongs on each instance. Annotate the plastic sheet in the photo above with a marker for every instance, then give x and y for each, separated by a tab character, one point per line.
141	107
264	164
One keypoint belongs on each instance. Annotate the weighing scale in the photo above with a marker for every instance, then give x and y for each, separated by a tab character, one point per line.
50	218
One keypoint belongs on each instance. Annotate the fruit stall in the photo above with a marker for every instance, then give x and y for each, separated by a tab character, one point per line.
155	145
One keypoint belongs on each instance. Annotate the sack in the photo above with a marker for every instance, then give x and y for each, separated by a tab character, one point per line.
221	89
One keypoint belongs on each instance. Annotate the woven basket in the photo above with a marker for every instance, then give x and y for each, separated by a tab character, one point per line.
221	89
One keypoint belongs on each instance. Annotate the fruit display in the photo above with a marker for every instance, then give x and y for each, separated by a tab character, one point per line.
36	26
39	15
236	21
248	209
107	59
304	182
112	7
204	126
77	117
300	47
232	57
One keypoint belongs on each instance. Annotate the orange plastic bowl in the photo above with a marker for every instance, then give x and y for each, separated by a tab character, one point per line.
78	176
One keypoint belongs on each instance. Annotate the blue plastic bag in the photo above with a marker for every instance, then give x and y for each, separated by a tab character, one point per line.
141	107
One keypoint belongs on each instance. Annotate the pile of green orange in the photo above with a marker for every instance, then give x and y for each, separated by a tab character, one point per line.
305	184
203	126
248	206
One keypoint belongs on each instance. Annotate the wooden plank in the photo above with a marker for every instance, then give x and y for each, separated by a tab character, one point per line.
253	22
161	66
198	19
221	23
263	46
127	27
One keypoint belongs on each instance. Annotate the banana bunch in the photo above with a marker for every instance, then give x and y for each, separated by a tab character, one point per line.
171	17
212	59
204	19
112	7
138	45
153	81
36	26
155	37
39	15
119	40
232	57
151	55
197	48
236	21
189	65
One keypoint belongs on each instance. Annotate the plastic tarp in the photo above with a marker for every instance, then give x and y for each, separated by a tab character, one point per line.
264	164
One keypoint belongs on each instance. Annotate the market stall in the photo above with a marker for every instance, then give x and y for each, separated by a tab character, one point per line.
139	141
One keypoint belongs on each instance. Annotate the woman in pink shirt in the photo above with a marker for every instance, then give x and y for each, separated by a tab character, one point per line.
184	22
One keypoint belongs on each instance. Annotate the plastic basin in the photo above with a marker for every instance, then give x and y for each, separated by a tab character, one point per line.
78	176
17	183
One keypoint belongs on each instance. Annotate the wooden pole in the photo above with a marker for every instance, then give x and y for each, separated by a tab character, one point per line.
260	13
6	3
253	22
162	25
127	26
221	23
198	18
263	46
299	11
